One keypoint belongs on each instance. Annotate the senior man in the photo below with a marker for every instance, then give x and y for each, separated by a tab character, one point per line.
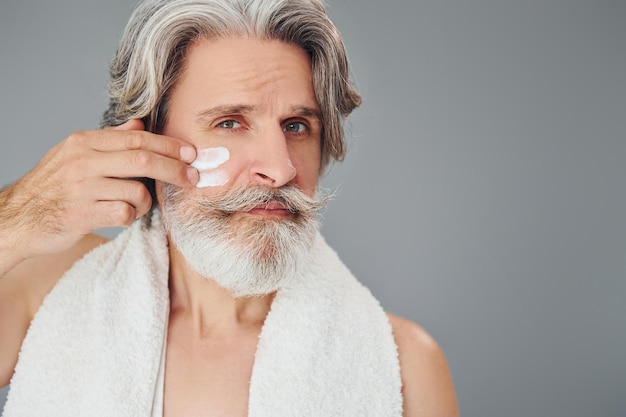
221	298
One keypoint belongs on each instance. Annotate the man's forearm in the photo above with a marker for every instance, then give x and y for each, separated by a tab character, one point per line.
10	257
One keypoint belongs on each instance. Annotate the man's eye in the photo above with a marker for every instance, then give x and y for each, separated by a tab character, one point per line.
296	127
229	124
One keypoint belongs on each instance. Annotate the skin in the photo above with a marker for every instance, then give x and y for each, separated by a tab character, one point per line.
253	89
264	112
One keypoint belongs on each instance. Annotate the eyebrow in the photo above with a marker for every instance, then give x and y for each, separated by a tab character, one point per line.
225	109
306	111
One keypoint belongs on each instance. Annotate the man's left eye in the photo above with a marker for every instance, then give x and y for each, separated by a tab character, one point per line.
296	127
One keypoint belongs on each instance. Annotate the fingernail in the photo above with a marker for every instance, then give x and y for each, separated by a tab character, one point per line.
192	175
187	153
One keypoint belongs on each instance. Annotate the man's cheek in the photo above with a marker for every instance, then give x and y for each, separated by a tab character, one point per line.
209	163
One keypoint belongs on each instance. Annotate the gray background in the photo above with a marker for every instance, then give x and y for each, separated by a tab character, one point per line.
484	194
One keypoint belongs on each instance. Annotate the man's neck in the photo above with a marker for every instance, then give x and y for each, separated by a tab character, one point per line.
209	309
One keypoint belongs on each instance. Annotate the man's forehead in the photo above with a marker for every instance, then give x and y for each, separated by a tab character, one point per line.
242	75
247	59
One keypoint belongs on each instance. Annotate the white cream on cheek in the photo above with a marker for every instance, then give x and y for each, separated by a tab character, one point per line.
208	163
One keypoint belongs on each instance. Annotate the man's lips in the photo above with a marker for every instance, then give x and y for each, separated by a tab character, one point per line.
273	208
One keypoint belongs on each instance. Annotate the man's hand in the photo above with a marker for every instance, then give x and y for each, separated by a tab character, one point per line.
83	184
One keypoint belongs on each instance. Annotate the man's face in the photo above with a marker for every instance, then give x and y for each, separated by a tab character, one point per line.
249	108
255	99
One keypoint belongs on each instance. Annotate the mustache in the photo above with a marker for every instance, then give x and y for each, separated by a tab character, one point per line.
247	198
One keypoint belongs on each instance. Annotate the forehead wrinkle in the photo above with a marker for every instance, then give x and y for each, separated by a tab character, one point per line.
246	69
264	82
253	84
254	73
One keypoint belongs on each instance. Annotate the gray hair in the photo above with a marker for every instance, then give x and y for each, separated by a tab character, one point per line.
151	56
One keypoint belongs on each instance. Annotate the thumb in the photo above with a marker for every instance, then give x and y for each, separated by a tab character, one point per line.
132	124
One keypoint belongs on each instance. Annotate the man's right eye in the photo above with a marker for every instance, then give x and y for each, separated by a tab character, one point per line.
229	124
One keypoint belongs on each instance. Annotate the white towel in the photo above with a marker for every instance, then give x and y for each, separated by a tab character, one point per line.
95	347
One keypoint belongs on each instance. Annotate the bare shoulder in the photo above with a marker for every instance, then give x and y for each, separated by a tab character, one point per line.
427	384
35	277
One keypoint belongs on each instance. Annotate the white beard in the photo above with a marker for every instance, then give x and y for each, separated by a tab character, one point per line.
244	254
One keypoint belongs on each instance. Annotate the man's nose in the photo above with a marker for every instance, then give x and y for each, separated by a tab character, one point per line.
271	164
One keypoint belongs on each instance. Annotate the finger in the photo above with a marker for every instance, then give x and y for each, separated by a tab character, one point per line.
132	140
129	191
112	214
142	163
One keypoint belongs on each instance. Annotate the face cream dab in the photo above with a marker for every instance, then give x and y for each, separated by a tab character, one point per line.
208	164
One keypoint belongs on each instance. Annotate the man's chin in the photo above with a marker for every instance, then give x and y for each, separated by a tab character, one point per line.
257	279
